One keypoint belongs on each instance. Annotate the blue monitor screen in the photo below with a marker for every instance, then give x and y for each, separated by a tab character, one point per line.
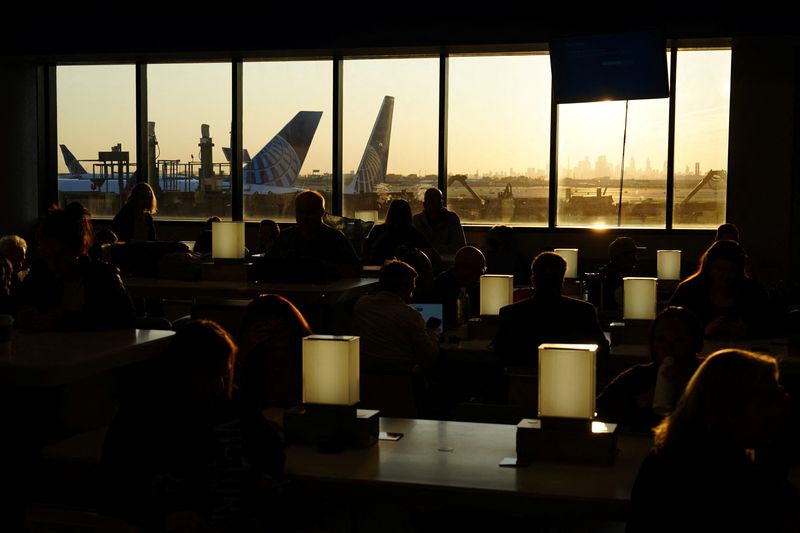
620	66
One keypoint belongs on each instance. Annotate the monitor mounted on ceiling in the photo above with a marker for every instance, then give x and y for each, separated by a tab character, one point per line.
616	66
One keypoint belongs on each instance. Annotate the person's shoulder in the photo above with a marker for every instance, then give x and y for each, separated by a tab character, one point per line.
575	303
453	216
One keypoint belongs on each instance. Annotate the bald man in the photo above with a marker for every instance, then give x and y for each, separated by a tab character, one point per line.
311	251
466	272
441	227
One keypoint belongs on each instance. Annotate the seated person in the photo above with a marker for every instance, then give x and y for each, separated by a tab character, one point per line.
727	302
709	469
605	291
311	251
187	452
66	289
727	232
392	333
270	360
502	256
103	239
135	220
547	316
268	233
466	272
202	244
442	228
396	231
676	339
14	248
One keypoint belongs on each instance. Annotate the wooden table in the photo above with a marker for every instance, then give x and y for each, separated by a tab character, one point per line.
298	293
457	463
51	358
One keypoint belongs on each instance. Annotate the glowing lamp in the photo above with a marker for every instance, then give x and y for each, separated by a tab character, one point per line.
227	240
570	255
330	369
369	215
567	380
640	298
669	264
496	291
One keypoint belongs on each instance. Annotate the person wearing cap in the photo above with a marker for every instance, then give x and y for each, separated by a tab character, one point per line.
622	263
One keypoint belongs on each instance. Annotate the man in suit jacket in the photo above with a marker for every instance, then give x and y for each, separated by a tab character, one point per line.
546	317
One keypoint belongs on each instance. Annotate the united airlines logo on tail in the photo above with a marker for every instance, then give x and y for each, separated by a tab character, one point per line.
280	160
277	165
374	162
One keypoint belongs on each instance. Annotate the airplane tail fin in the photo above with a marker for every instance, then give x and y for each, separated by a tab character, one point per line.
72	163
227	153
372	168
279	162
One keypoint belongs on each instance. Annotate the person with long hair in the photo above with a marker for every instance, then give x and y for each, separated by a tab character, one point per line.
67	289
727	302
271	355
709	467
397	230
188	453
676	339
135	220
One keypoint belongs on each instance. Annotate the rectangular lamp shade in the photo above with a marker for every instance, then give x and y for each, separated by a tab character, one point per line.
227	240
369	215
331	369
570	255
496	291
640	298
669	264
567	380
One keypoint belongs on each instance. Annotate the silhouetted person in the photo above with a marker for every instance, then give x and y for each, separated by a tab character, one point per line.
710	469
268	233
187	453
607	287
14	248
397	230
271	352
466	272
312	251
66	289
202	245
102	240
502	256
547	316
135	220
392	332
727	302
441	227
676	339
727	232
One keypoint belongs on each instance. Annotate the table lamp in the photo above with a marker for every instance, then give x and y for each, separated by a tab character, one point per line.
640	298
570	255
496	291
227	241
565	430
329	417
669	264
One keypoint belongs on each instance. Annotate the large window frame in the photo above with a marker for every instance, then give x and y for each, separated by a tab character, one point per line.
48	178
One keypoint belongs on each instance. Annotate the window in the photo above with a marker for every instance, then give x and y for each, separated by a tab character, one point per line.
702	104
498	154
499	134
591	137
96	133
287	125
390	137
189	106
